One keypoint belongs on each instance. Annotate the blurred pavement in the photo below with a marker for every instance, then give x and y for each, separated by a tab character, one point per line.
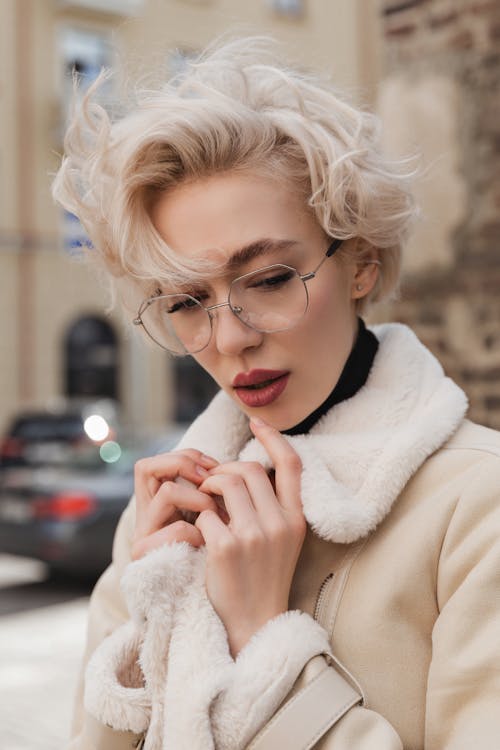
40	651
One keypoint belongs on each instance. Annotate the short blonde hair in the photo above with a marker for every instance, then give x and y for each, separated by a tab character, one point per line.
236	107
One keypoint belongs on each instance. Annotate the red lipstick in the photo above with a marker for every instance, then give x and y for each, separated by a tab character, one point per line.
260	387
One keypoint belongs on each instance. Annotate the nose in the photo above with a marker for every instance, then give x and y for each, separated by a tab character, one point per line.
230	335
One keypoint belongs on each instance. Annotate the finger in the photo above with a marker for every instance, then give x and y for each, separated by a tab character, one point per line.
237	500
149	473
180	531
215	533
287	464
170	498
199	457
258	483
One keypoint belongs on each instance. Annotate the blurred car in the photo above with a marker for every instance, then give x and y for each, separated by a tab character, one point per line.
66	515
50	436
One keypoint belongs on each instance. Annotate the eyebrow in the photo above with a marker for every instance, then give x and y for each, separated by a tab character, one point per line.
256	249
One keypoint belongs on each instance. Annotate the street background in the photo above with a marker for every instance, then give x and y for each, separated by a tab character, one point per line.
42	636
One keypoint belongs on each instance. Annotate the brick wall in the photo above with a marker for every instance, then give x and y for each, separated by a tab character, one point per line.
454	306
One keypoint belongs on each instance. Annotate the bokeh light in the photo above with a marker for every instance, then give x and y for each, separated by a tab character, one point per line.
96	427
110	452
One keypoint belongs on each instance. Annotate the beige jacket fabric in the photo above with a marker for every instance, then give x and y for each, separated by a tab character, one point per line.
396	593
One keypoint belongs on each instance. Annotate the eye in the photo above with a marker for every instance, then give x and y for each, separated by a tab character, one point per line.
270	282
185	303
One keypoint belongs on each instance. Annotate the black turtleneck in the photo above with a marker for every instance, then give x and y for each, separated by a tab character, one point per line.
352	378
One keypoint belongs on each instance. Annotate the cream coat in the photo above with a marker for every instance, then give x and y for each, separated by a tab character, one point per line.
396	593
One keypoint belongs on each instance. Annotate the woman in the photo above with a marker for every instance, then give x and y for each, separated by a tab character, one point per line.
317	565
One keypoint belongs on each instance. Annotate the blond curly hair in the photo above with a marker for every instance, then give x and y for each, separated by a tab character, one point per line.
236	108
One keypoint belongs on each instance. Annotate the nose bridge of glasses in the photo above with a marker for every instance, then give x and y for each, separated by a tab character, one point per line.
234	308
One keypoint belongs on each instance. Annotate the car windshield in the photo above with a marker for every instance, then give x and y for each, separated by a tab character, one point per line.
47	427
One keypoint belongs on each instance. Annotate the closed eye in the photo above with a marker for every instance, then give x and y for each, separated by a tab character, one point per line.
272	282
183	303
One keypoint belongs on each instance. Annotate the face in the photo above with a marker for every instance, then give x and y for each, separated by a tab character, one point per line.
218	216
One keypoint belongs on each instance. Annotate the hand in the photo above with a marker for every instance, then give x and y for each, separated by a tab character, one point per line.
159	499
251	559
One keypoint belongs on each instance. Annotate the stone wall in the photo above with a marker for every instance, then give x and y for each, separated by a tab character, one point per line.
440	97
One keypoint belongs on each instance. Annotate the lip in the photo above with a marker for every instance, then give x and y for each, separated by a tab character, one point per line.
265	395
254	377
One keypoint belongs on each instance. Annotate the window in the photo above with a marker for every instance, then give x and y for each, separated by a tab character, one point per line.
293	8
82	52
91	358
194	389
121	7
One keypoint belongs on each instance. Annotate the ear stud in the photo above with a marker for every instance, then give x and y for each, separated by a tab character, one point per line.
359	287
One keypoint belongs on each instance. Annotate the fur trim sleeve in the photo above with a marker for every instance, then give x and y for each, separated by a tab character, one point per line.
115	693
263	674
126	674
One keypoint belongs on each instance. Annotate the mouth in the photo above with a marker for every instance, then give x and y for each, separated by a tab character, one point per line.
260	387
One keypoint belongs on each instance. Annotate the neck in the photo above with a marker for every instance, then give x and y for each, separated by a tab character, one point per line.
352	378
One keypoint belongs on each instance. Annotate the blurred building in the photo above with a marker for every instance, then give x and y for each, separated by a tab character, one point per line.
440	95
429	65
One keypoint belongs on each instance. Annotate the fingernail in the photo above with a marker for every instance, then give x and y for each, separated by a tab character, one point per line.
257	422
201	471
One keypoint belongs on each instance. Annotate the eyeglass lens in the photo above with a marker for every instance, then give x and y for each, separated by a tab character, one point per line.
269	300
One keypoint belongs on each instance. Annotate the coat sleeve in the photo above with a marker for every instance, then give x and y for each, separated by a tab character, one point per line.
325	711
463	695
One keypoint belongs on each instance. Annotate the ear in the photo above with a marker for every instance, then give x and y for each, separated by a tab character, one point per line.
366	271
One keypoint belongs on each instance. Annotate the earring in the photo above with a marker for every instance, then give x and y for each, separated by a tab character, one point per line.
359	287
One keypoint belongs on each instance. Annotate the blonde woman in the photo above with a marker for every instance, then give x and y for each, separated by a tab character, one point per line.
317	564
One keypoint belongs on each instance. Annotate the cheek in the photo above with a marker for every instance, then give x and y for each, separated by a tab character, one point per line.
326	331
329	309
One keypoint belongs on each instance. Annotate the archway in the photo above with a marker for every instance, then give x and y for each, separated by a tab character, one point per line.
91	358
194	389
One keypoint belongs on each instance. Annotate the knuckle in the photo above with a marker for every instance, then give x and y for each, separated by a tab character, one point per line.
251	538
185	462
233	482
254	467
141	467
277	531
189	452
166	490
181	526
225	548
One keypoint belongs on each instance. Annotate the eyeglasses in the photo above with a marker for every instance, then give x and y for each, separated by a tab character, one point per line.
268	300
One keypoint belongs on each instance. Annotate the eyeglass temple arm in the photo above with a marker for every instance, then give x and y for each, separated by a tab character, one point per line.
331	250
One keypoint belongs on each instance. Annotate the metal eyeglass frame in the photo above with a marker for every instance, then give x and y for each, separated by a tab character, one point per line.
332	249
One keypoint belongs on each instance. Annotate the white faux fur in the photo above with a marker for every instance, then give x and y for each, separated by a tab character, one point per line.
359	456
356	460
121	707
196	695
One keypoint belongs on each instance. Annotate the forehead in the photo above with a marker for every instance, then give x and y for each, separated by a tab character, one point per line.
218	216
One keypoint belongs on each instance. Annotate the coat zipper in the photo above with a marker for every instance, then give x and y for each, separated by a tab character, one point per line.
325	609
321	599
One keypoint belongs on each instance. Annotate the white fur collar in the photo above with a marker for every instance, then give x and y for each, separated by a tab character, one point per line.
359	456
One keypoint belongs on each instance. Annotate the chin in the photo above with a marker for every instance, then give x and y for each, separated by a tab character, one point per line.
283	421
